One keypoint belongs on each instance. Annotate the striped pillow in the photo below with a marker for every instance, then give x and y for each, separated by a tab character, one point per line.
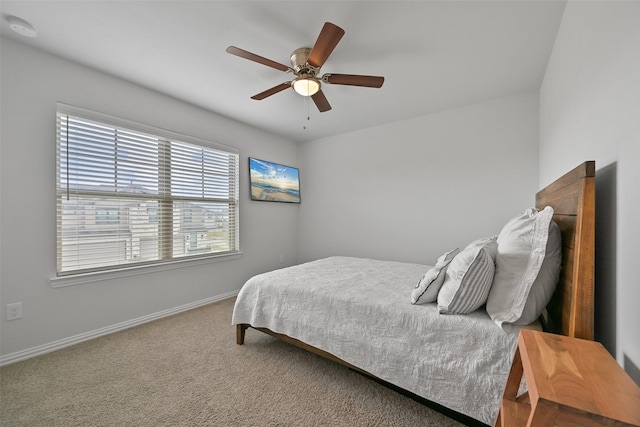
468	278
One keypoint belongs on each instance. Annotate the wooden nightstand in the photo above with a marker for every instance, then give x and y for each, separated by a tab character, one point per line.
572	382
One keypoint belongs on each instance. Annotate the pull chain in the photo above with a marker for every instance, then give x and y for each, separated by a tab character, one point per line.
306	103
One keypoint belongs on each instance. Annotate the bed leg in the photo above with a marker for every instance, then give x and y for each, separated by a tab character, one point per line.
240	330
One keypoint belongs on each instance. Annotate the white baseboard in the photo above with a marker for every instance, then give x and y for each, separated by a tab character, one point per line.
66	342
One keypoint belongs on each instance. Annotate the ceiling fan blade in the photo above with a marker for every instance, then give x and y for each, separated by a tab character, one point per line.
272	91
353	80
257	58
321	101
328	39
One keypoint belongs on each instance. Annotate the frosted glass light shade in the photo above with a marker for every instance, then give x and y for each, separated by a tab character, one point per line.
306	86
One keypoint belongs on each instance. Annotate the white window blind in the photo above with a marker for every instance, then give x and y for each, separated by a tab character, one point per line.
128	194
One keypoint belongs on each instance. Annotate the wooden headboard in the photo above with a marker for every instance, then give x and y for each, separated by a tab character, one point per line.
572	198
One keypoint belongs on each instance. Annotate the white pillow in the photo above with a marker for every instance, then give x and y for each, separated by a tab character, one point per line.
521	250
427	288
545	284
468	278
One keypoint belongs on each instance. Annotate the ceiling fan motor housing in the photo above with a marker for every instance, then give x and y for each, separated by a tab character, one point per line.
299	63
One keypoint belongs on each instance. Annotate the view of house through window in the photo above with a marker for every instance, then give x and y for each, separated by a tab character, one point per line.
129	195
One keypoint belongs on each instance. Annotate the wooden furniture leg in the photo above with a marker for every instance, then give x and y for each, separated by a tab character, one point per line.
240	330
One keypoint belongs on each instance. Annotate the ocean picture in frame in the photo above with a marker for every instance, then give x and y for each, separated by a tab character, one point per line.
273	182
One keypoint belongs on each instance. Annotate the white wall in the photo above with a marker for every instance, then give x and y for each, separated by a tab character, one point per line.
32	83
590	110
413	189
385	192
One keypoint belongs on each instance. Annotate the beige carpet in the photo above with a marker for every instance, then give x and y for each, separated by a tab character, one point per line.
187	370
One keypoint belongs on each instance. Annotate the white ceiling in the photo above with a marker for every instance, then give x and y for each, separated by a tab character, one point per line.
434	55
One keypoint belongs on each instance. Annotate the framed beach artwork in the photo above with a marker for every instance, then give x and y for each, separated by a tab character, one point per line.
273	182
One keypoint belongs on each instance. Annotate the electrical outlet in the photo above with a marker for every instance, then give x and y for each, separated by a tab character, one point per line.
14	311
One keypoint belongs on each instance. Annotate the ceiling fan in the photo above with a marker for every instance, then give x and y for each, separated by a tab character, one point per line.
305	64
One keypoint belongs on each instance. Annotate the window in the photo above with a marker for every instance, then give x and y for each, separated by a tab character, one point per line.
107	215
129	194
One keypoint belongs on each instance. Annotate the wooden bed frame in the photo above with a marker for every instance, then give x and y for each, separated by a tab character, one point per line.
572	197
570	311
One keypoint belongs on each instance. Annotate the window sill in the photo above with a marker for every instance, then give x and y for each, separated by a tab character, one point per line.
78	279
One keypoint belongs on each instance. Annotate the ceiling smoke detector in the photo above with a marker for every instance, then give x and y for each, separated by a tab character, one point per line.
22	27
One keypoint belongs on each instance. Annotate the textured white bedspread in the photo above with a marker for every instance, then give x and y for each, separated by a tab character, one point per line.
360	310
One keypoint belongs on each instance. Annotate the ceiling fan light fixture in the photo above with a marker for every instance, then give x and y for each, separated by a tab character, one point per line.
306	85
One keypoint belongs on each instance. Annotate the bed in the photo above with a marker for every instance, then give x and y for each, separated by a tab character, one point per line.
357	312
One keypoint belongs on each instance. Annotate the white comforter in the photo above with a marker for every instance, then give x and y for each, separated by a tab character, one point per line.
360	310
